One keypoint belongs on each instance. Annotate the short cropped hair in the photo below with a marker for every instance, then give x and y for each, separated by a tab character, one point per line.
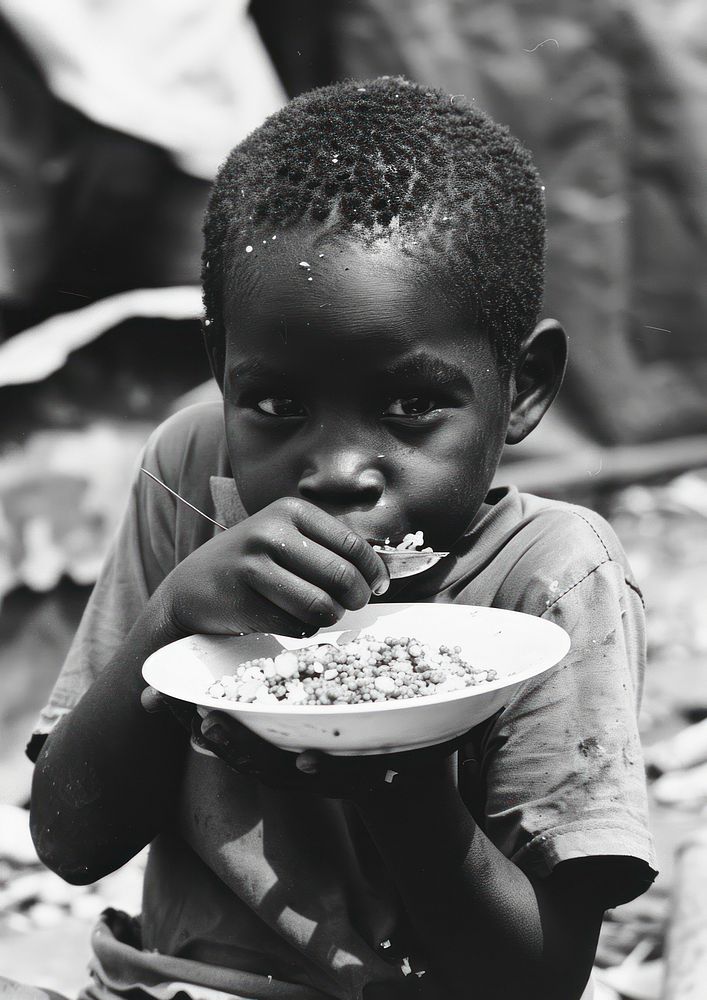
389	159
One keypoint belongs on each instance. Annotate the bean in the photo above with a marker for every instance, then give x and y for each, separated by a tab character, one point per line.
364	670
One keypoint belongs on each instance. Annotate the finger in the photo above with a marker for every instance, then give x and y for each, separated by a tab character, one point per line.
224	730
344	541
152	701
155	702
309	762
248	753
325	569
300	600
231	736
262	609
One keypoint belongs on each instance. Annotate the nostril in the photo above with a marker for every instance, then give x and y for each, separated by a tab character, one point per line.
342	482
340	497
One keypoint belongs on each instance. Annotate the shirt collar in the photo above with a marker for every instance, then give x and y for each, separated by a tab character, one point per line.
228	507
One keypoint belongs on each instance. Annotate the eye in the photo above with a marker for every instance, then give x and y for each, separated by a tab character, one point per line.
411	406
280	406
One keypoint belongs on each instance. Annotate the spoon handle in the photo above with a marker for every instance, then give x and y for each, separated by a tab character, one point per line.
169	490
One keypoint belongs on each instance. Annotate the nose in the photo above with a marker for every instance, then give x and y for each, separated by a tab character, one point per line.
345	479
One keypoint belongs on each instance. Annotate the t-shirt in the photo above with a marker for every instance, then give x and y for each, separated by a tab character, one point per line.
309	910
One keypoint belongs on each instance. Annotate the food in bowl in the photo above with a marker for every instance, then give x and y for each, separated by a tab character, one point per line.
365	669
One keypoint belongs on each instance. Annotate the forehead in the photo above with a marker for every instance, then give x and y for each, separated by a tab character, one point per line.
304	292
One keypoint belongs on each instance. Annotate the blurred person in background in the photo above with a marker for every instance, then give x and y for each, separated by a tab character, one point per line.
114	117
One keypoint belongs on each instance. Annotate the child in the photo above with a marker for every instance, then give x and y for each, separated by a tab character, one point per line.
372	280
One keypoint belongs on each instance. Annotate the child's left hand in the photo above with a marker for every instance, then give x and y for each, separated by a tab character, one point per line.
353	778
319	773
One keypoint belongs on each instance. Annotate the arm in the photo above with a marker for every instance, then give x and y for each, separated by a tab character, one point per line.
89	814
106	779
481	918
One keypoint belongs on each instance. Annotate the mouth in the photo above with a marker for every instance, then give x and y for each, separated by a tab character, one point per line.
373	529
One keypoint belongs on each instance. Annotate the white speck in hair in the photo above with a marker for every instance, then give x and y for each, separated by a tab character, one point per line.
335	159
321	254
445	218
282	545
385	944
249	249
540	44
273	237
265	241
361	90
309	279
303	263
207	322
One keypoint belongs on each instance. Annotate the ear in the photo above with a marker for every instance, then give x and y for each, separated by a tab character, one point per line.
538	375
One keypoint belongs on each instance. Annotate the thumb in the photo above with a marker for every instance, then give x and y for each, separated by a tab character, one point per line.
310	762
152	701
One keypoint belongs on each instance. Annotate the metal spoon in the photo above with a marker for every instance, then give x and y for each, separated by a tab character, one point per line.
399	562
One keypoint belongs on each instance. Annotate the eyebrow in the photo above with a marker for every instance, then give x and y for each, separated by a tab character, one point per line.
426	365
422	364
254	368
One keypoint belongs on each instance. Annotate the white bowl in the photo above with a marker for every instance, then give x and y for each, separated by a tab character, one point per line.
517	646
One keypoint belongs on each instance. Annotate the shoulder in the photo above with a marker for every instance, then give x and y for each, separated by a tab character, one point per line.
556	523
553	547
190	446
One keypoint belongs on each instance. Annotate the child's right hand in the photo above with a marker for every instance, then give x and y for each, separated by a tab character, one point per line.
291	569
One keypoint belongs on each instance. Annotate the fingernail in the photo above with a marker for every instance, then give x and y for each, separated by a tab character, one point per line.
381	586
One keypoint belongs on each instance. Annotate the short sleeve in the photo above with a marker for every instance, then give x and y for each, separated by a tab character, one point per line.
141	555
562	765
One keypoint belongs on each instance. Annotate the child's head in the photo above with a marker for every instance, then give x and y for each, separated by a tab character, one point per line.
373	275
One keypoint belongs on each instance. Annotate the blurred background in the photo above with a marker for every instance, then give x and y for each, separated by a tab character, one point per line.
114	116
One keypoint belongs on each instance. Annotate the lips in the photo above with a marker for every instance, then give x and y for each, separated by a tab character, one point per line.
375	530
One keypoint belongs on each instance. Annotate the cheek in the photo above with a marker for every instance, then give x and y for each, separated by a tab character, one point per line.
455	474
451	478
261	474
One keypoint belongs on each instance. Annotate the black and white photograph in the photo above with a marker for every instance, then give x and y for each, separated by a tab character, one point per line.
353	500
